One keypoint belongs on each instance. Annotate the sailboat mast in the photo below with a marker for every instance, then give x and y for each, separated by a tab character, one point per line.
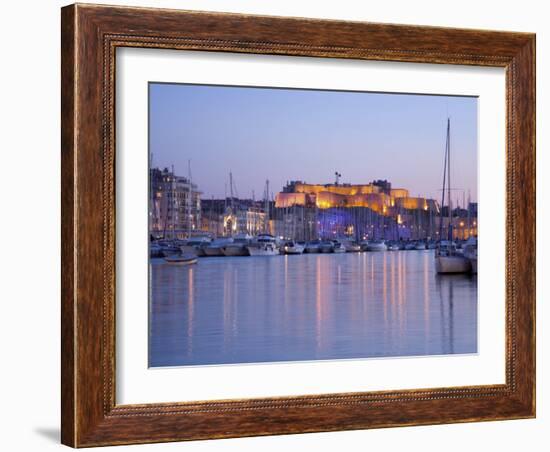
444	181
189	200
449	178
174	202
231	188
267	206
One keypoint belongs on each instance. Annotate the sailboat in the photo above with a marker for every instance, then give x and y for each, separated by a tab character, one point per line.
447	258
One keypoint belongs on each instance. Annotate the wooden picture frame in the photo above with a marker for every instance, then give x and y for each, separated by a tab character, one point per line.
90	36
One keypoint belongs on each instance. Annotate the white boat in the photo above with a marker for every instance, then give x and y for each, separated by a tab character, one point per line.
326	247
196	246
215	248
447	260
409	246
420	246
238	247
352	247
312	247
376	245
181	259
469	251
263	245
337	247
293	248
393	246
169	249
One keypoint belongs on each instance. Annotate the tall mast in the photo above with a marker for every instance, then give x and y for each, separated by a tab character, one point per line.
267	206
189	200
174	203
444	181
231	188
468	214
449	178
225	197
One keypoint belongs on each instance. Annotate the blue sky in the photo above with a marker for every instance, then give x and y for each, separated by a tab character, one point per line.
290	134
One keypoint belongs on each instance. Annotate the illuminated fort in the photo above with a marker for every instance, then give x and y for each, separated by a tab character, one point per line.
360	211
377	196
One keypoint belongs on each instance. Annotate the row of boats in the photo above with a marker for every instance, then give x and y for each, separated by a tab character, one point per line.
267	245
456	257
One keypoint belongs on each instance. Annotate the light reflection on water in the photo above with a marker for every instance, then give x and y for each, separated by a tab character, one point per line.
309	307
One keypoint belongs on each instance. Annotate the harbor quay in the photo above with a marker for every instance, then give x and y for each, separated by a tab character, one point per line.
304	212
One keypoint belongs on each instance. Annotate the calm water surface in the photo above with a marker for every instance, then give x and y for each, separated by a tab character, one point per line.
308	307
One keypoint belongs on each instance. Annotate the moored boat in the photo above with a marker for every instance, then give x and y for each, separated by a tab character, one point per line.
312	247
169	249
409	246
393	246
420	246
338	247
293	248
469	251
238	247
326	247
181	259
263	245
376	245
447	260
215	248
351	247
196	246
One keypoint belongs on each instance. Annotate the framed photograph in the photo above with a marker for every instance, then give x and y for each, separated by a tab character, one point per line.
280	225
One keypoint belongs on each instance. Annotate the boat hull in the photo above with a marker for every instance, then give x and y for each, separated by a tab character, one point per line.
235	251
352	248
213	251
190	249
452	264
166	252
311	249
376	247
294	250
181	260
261	251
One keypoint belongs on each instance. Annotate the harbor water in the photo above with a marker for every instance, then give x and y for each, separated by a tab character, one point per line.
228	310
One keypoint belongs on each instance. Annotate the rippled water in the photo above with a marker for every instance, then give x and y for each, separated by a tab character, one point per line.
308	307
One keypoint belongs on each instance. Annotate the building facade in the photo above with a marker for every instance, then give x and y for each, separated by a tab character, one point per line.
231	216
361	212
175	204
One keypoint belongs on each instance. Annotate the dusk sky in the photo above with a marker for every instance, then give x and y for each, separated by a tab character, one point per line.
290	134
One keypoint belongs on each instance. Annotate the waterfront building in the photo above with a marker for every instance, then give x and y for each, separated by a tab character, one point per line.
230	216
175	204
360	212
